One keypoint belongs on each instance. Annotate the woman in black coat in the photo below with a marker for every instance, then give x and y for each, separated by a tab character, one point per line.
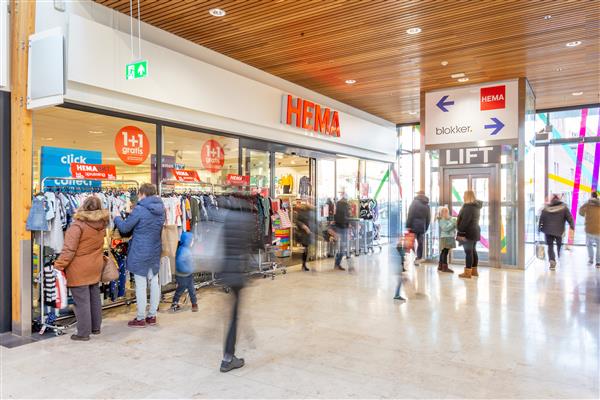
305	229
469	233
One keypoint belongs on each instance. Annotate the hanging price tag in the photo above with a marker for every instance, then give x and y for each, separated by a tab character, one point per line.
93	171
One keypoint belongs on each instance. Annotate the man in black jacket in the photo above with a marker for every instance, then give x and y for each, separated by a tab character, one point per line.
552	224
419	217
342	225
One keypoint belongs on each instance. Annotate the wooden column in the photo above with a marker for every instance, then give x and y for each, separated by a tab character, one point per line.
22	25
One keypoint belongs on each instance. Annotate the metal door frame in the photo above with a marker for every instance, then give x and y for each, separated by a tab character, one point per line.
493	174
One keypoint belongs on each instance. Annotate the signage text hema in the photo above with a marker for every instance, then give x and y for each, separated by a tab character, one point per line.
308	115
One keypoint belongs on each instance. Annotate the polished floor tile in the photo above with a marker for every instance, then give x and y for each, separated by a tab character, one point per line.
328	334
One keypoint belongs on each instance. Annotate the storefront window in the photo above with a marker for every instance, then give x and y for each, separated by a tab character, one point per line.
257	165
213	157
347	177
63	136
377	187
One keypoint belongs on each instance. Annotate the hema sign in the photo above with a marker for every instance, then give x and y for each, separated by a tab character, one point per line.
308	115
486	112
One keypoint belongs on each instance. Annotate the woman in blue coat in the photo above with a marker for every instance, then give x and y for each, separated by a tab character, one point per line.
145	225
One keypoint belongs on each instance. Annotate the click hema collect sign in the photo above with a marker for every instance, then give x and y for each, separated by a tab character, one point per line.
473	113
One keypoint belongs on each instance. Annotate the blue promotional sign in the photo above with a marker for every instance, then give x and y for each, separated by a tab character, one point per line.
56	162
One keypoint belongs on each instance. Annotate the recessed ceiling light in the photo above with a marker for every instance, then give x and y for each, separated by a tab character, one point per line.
547	17
95	132
169	142
350	81
457	75
47	139
217	12
413	31
444	63
558	69
577	93
465	79
574	43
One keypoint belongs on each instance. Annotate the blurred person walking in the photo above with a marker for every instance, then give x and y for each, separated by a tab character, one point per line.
342	228
591	211
552	224
305	230
82	260
184	267
447	238
145	224
238	233
418	219
469	232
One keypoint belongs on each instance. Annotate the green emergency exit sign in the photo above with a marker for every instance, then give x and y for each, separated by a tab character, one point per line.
135	70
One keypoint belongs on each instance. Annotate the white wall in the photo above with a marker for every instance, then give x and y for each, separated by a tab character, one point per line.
184	88
4	46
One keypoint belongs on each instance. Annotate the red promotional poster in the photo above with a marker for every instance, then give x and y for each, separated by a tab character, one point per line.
213	156
132	145
185	175
93	171
493	98
239	180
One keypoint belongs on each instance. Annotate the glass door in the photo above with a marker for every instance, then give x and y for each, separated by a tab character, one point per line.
257	165
482	181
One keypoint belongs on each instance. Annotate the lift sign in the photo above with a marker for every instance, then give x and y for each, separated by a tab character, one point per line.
493	98
310	116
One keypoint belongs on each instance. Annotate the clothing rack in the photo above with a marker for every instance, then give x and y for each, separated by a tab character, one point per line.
59	330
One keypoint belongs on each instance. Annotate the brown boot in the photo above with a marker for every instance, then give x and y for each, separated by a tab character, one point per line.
446	269
466	274
474	271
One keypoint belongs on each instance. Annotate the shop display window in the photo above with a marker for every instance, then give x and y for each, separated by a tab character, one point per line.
377	186
347	177
62	136
213	157
293	176
257	165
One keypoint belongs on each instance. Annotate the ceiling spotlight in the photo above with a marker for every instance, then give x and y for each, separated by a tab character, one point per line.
547	17
413	31
412	112
350	81
217	12
558	69
458	75
577	93
444	63
96	132
574	43
465	79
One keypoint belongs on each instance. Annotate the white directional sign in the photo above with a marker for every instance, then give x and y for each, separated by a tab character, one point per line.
472	113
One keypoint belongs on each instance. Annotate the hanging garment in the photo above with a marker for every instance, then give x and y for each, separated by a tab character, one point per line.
304	186
36	220
165	275
62	300
49	285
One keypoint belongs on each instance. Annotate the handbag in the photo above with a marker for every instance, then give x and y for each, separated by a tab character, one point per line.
409	241
110	271
461	237
540	251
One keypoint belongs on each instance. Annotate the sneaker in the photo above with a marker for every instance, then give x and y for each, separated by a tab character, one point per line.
96	332
136	323
400	298
590	261
80	338
552	265
175	308
194	307
231	365
151	320
339	267
418	261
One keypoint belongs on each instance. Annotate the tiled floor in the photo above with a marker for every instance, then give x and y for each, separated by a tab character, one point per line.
326	334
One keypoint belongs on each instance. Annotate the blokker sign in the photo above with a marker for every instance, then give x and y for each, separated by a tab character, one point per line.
486	112
308	115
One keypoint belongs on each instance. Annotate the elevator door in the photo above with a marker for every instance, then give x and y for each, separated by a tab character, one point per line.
483	182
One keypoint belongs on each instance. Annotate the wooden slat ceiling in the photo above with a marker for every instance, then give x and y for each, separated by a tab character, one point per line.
320	44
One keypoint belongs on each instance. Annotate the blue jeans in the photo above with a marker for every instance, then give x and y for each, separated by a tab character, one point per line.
141	294
343	246
590	241
183	283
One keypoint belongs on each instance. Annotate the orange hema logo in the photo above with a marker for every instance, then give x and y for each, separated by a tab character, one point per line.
308	115
493	97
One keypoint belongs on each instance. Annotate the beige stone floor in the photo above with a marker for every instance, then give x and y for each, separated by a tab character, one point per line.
326	334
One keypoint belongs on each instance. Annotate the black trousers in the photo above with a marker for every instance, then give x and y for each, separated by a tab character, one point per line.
471	257
304	255
550	240
444	256
420	244
232	331
88	308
